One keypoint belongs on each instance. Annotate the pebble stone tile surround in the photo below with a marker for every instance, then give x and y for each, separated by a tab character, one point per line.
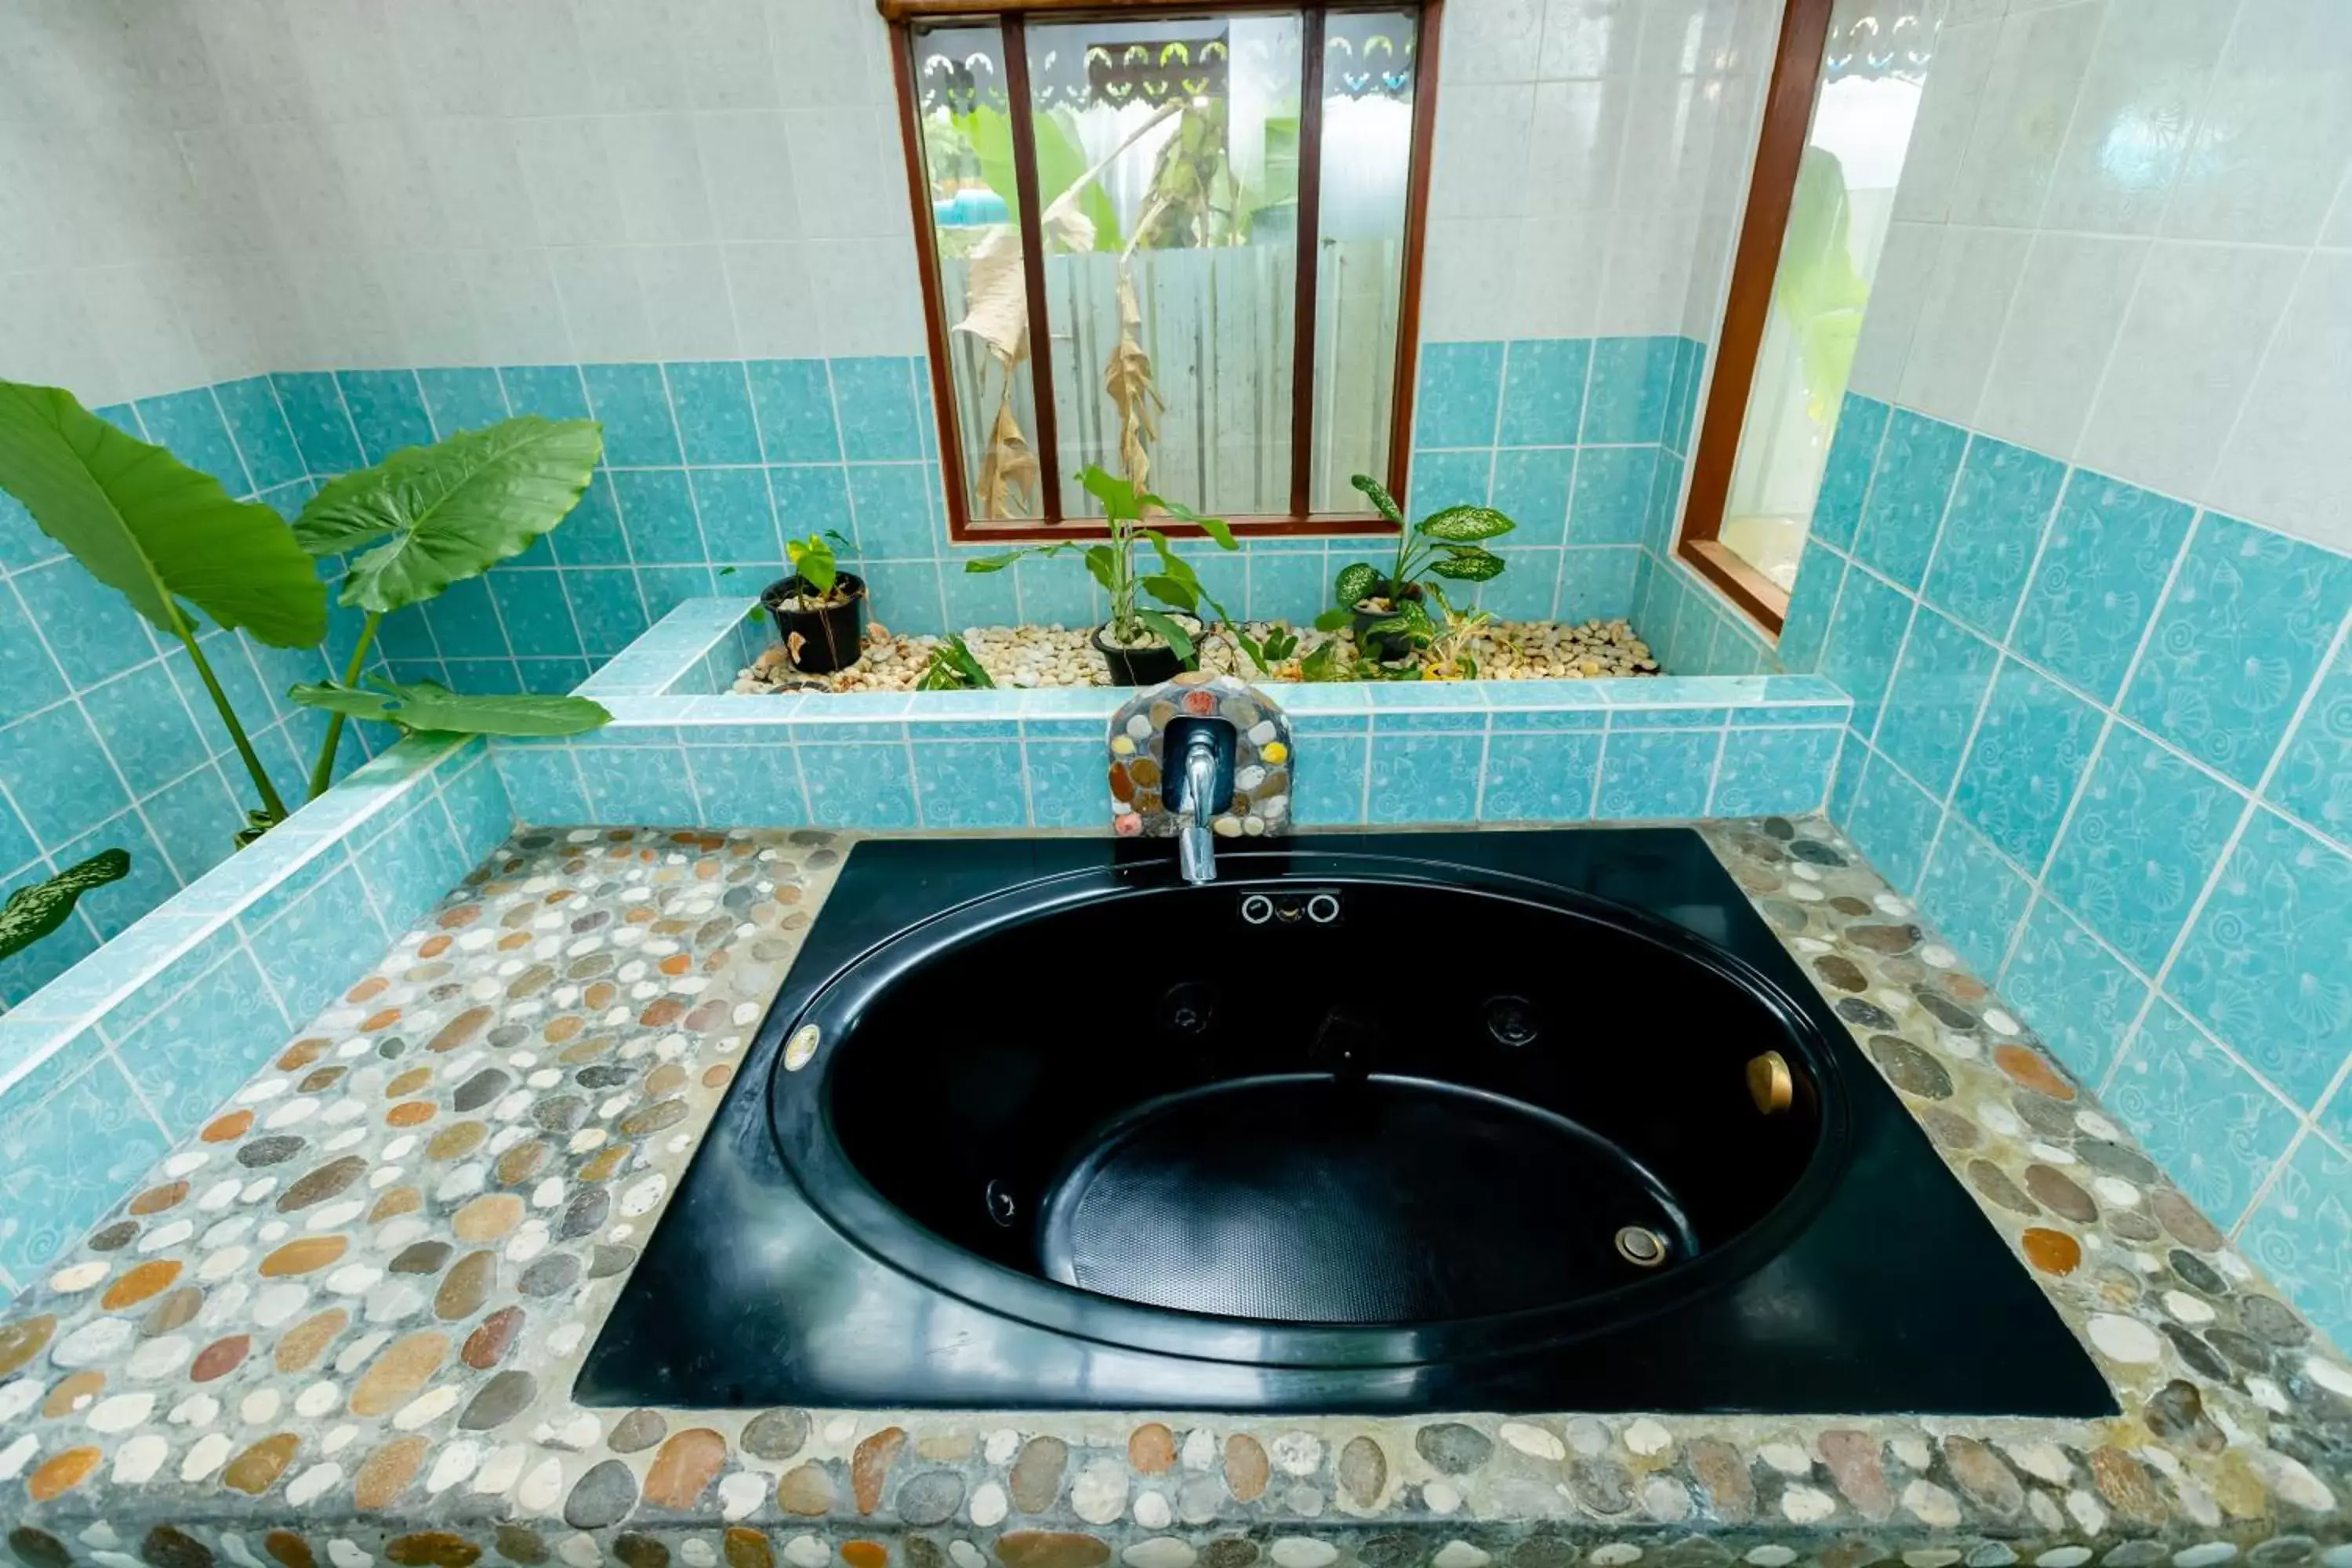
339	1326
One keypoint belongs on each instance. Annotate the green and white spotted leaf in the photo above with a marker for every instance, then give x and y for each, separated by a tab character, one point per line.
1378	494
1466	524
33	913
1469	565
1358	583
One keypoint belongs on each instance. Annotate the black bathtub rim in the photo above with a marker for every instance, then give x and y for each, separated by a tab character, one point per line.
838	1192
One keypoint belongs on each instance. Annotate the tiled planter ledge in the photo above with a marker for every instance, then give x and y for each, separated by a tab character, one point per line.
1515	751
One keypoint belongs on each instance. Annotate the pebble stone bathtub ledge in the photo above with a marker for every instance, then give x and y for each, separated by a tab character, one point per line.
339	1326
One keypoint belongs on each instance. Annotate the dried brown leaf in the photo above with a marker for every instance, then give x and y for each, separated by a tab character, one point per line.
1128	379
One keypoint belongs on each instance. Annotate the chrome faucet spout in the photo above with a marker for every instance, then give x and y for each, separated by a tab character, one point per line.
1196	844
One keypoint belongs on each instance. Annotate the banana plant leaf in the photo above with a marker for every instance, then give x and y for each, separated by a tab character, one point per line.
425	705
430	515
156	531
33	913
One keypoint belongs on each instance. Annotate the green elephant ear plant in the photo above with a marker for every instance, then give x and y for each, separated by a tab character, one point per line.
427	517
1384	603
170	540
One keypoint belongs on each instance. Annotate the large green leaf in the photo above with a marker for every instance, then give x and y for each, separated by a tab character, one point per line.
425	705
1358	583
33	913
152	528
1060	162
1464	524
437	515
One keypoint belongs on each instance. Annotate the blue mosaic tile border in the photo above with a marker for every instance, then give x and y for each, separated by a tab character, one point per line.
122	1055
2105	738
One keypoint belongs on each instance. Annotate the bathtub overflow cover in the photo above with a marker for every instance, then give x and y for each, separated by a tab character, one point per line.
1641	1247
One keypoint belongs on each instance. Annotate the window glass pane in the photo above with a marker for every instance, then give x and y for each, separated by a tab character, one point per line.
1872	73
1168	165
1367	163
959	98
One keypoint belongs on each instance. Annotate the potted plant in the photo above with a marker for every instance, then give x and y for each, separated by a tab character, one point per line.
819	610
1144	646
1385	606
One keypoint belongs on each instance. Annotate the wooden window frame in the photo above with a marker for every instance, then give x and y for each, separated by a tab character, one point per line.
1748	306
1011	17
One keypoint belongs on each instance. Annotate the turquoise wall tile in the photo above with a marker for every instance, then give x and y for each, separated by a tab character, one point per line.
29	678
793	400
1424	778
1771	770
607	608
1933	699
1530	487
190	424
91	630
480	811
633	405
1597	584
592	535
892	504
1329	779
1821	573
812	499
22	542
2077	995
65	1159
2031	747
112	909
1893	821
712	403
1613	494
858	786
2314	775
145	728
18	848
1055	593
637	783
2301	1234
1288	582
543	783
533	611
1625	398
2110	548
317	945
200	1046
749	787
980	598
1525	590
657	510
2216	1129
1905	508
195	821
1846	472
2144	839
873	399
57	773
1660	774
1973	894
2241	636
257	425
2263	967
1865	634
1543	391
1460	399
464	623
550	390
411	862
906	595
463	399
1449	479
738	521
1540	777
971	783
387	409
2000	504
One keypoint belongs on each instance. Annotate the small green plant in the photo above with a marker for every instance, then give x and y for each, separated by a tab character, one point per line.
34	911
1175	584
815	564
1447	543
955	667
1278	644
1447	656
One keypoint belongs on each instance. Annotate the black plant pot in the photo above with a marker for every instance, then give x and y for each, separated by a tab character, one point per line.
1388	646
1139	666
832	638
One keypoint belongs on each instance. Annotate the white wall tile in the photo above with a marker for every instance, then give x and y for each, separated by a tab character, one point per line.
389	184
254	60
686	305
570	181
776	311
1555	288
1948	113
747	166
2140	98
1669	131
46	336
444	67
1645	276
540	68
1589	38
2286	462
432	303
1489	41
1578	133
301	183
602	304
657	176
1684	38
138	327
866	296
850	174
829	55
1470	269
346	53
2063	323
722	54
1906	267
1481	164
222	185
2038	63
2184	360
30	238
348	318
2337	235
2276	132
632	67
519	314
478	175
1952	347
